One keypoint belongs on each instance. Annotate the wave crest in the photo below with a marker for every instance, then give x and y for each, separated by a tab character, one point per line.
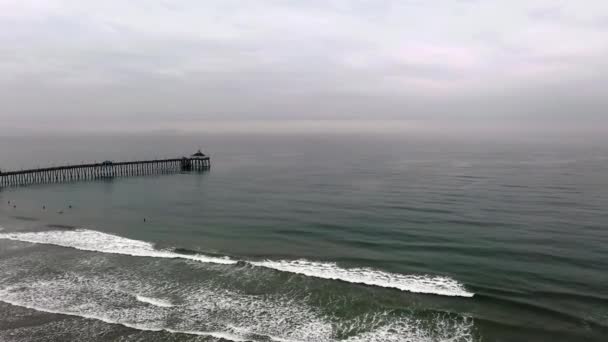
95	241
161	303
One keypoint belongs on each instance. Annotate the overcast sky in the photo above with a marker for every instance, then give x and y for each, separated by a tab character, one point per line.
320	65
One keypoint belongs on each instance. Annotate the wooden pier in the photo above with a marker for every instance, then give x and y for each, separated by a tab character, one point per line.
107	169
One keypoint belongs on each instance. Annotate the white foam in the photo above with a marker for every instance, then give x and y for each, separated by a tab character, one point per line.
94	241
142	327
412	283
207	310
155	301
444	329
404	329
91	240
204	311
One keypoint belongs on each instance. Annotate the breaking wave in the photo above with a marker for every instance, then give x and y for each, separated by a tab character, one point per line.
404	329
411	283
161	303
204	310
95	241
219	335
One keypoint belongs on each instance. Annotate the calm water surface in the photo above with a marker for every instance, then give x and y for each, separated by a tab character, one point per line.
309	238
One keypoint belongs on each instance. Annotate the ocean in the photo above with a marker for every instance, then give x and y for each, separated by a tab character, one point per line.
309	238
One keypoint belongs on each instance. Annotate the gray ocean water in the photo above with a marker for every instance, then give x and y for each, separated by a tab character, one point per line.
309	238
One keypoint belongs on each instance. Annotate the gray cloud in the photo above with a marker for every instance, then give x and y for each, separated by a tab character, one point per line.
183	64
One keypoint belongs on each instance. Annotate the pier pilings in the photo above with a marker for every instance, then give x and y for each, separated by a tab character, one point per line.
102	170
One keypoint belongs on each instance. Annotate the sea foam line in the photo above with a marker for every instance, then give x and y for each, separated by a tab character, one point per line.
141	327
95	241
154	301
405	330
411	283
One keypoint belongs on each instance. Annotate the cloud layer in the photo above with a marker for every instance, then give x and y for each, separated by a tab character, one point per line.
179	64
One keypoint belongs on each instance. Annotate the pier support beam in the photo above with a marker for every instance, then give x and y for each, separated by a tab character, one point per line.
102	170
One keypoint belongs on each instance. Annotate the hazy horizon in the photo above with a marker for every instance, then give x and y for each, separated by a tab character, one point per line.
462	67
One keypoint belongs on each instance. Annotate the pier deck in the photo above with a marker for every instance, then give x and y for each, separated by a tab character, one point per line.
107	169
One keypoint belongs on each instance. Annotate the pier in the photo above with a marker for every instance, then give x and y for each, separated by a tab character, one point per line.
104	170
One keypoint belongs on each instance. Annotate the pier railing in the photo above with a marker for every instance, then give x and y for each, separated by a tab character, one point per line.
107	169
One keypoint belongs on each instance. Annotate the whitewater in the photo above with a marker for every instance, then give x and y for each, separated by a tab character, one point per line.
96	241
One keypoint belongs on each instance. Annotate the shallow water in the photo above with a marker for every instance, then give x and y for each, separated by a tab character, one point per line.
310	238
